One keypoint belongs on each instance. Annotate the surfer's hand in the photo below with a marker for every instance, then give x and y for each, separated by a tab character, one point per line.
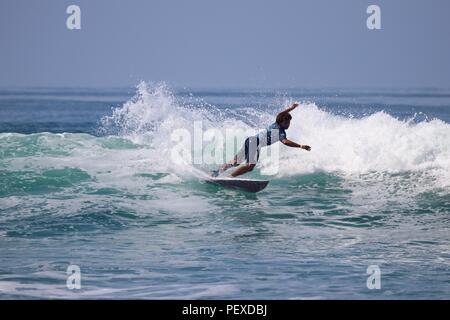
304	146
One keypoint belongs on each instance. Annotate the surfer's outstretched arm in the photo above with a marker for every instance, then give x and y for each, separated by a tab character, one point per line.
290	143
294	105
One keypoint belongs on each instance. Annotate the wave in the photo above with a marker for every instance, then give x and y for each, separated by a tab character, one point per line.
378	142
138	137
359	169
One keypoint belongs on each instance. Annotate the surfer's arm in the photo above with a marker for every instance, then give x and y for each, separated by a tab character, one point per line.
290	143
294	105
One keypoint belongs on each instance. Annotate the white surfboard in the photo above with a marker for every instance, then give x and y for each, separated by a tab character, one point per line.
250	185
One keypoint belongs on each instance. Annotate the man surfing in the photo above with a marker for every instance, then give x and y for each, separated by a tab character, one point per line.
249	153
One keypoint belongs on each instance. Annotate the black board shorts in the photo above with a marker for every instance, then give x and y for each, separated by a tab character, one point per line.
249	151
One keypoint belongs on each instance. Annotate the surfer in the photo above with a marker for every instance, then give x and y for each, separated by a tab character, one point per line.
249	153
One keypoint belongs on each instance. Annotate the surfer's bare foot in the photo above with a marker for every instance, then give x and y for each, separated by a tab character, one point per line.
214	173
224	168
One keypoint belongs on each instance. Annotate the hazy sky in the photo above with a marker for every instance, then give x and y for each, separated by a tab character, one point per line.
232	43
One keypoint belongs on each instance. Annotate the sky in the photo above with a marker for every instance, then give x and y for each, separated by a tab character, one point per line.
225	43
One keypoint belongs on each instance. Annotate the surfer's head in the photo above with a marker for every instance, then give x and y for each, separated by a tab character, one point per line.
284	120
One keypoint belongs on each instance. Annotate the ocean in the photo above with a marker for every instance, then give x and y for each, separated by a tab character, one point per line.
88	179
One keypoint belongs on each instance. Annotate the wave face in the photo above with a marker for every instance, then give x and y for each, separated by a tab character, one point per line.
109	197
378	142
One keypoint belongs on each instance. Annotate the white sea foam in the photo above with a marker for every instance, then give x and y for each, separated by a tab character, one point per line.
144	125
376	143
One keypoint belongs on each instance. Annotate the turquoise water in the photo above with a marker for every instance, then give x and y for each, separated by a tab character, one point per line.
86	179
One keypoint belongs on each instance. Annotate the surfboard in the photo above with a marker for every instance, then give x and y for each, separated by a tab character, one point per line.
249	185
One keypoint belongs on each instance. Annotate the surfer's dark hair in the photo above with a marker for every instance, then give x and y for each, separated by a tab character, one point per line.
283	116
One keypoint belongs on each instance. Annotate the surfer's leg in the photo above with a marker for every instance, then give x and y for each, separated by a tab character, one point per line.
228	165
237	159
225	167
243	169
251	153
